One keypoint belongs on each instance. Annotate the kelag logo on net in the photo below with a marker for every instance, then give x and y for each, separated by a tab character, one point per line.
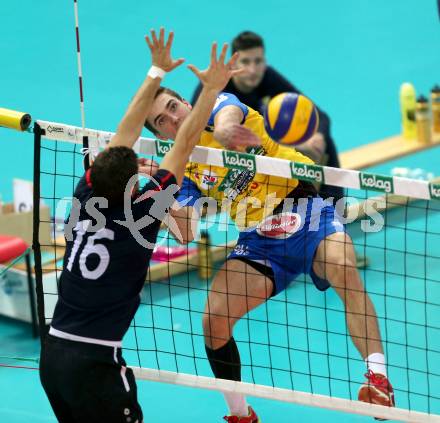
434	190
370	181
162	147
241	161
306	172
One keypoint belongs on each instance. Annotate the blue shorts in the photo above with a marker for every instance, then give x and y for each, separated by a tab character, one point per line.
287	241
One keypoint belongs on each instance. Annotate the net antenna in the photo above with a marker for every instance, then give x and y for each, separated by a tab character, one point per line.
85	150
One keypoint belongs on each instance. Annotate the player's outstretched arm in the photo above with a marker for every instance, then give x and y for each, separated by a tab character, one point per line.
130	127
213	79
229	131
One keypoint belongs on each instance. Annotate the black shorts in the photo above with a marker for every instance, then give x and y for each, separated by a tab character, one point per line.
88	382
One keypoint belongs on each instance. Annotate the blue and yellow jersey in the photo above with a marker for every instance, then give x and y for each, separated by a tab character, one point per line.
246	195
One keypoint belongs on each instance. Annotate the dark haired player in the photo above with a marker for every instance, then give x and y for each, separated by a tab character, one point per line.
81	367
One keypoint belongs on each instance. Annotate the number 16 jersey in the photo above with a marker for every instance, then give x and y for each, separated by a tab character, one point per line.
106	262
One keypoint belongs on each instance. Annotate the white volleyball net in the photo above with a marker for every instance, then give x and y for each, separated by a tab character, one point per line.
296	346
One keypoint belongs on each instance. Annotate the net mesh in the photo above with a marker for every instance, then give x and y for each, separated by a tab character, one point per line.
298	340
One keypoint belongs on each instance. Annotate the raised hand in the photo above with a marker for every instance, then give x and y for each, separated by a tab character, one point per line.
161	51
218	73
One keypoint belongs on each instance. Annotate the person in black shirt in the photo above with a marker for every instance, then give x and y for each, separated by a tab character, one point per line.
110	235
260	83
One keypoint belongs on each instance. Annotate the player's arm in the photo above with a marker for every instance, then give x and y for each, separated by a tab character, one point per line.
213	79
189	134
225	121
130	127
187	220
229	130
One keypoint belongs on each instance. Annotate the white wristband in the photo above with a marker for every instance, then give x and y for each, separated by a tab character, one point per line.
156	72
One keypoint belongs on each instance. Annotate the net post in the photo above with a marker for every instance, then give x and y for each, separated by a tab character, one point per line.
36	231
31	294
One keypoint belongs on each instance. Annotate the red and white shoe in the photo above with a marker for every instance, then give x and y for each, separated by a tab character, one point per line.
251	418
377	390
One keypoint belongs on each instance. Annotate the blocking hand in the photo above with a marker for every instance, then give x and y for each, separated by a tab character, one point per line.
218	73
161	51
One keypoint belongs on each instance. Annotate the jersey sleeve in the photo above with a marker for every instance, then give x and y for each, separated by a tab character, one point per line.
189	193
227	99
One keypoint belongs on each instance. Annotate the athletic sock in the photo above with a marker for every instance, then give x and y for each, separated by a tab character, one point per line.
376	363
225	364
237	404
225	361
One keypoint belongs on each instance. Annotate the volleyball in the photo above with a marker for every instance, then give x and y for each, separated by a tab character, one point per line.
291	118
